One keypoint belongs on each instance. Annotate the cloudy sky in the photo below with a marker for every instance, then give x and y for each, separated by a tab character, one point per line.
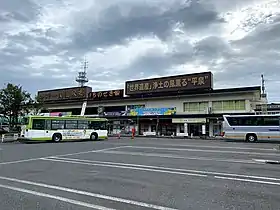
43	42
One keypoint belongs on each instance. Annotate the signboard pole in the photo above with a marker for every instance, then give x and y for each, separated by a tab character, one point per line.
83	108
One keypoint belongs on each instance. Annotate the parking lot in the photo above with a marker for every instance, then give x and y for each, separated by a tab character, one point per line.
144	173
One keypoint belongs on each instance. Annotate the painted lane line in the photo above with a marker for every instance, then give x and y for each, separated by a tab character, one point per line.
125	167
63	155
180	157
45	195
19	161
173	172
91	151
220	147
180	173
248	180
80	192
177	169
210	151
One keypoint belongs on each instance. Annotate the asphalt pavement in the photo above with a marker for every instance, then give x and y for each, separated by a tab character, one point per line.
144	173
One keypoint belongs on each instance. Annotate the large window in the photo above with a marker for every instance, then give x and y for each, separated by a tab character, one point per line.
229	105
195	106
38	124
253	121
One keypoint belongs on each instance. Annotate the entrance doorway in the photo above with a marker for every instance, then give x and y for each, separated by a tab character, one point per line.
196	129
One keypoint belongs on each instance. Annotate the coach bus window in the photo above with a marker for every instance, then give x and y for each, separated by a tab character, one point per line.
38	124
271	121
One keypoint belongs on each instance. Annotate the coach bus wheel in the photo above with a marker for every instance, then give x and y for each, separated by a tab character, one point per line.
94	136
57	137
251	138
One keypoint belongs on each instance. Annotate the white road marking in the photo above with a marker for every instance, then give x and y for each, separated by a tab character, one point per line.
63	155
19	161
180	157
106	197
45	195
91	151
219	147
237	177
248	180
176	169
124	167
210	151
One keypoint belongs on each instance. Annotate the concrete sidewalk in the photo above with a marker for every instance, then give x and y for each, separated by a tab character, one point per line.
169	137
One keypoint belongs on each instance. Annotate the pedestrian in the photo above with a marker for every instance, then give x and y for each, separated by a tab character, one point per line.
133	132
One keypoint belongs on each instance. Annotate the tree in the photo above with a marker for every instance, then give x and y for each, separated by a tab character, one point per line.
12	99
34	106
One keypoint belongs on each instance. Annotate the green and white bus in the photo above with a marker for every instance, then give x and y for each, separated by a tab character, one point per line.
49	128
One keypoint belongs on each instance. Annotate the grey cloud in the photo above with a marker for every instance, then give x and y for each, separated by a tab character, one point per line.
269	35
212	47
23	11
243	60
114	28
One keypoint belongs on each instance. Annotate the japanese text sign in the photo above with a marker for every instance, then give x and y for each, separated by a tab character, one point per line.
64	94
167	84
106	95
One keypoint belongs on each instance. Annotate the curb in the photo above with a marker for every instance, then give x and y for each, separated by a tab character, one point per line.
267	161
272	162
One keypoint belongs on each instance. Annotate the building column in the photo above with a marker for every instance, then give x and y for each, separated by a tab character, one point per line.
178	128
150	128
211	128
186	129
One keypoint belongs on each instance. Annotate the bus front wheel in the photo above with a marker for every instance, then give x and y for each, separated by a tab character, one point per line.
251	138
94	136
57	137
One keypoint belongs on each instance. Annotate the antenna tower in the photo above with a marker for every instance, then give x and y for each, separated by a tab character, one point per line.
263	96
82	74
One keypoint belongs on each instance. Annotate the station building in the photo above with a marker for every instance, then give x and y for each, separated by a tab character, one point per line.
181	105
271	109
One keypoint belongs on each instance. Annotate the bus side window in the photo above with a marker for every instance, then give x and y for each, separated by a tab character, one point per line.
58	124
48	125
82	124
38	124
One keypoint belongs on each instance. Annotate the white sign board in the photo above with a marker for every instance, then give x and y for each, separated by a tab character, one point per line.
203	129
84	108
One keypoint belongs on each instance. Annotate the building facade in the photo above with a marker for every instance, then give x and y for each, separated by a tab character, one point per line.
272	108
183	105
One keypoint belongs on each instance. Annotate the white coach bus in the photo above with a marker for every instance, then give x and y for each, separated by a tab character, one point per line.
251	128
